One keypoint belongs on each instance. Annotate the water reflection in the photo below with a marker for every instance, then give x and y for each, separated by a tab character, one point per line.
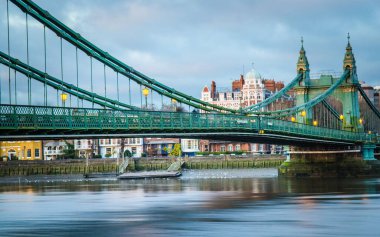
201	203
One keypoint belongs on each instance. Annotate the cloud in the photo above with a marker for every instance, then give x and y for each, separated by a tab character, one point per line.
186	44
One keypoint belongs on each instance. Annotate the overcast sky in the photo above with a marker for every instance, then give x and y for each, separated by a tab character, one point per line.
188	43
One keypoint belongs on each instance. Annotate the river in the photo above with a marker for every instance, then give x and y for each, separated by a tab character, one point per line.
235	202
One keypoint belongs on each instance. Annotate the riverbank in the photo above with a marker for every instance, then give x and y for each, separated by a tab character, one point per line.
109	166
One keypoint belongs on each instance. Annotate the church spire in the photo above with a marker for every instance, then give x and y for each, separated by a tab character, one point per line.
302	63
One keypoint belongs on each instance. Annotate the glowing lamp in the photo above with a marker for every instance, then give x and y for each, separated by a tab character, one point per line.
315	123
303	113
63	97
145	92
293	119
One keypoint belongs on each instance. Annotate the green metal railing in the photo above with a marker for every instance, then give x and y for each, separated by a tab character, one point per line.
86	120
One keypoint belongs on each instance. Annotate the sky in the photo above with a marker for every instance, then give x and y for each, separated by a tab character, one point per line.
188	43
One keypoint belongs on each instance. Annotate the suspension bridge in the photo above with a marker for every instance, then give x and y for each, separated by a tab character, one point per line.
80	90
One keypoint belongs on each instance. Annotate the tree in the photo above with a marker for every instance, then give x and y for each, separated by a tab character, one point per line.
176	151
69	151
127	153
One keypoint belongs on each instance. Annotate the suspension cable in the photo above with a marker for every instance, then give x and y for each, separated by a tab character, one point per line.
92	85
27	59
117	87
61	63
105	82
77	68
9	53
45	68
129	93
15	88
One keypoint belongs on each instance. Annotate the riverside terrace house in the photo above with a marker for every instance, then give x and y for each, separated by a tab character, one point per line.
86	148
54	149
250	89
158	146
21	150
116	147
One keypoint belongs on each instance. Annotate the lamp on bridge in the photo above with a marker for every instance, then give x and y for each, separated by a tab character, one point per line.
360	121
174	102
315	123
145	92
303	113
63	98
341	117
293	119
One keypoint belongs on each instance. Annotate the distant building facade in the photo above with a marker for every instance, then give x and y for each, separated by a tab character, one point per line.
159	146
21	150
134	145
116	147
189	147
246	91
54	149
86	148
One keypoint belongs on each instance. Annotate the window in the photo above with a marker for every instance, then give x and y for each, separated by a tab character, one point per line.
229	147
189	144
237	148
222	148
206	147
29	153
134	150
108	150
78	143
36	152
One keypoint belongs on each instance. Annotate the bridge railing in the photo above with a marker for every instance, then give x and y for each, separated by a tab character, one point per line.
18	117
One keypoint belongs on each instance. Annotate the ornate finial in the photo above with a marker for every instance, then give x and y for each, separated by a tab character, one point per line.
252	64
348	37
302	41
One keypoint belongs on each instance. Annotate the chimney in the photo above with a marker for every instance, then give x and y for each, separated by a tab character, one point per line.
213	89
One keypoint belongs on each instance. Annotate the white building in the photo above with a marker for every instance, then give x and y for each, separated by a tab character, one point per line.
54	149
135	146
252	91
113	148
248	90
189	147
85	147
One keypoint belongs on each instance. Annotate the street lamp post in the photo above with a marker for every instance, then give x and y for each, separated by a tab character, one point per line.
63	98
341	118
174	102
145	92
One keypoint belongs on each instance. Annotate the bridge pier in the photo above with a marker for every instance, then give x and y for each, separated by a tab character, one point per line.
331	163
368	151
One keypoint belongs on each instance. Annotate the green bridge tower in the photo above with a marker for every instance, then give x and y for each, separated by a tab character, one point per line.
345	96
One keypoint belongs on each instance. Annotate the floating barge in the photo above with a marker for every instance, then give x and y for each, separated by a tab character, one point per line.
150	174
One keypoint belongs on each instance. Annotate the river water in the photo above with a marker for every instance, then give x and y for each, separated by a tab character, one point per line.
236	202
